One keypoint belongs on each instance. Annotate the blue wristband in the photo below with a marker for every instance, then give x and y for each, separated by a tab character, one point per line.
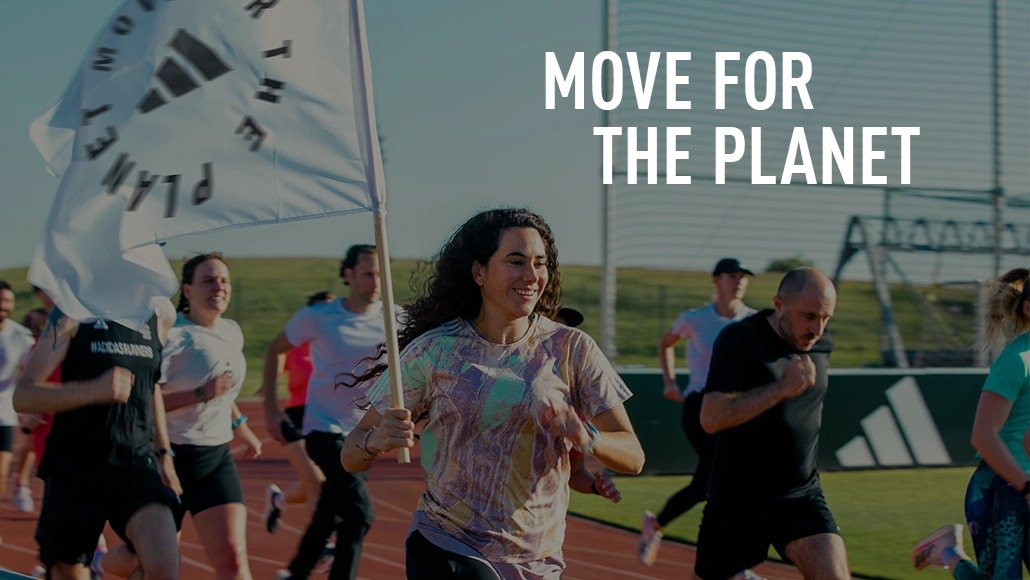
239	421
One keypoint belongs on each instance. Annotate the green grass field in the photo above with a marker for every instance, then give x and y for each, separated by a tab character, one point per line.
267	291
881	514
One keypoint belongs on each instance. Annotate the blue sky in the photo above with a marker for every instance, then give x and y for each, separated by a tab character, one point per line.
459	97
459	101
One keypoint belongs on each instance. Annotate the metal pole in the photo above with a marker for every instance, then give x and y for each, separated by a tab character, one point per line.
997	60
608	206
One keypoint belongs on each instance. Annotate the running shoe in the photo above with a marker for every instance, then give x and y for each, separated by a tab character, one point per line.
650	539
928	551
273	507
96	566
22	499
748	575
283	575
38	572
325	563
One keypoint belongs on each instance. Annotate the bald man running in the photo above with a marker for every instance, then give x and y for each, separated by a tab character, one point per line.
764	402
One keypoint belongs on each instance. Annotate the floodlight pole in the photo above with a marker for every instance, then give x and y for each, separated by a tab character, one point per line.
997	62
608	205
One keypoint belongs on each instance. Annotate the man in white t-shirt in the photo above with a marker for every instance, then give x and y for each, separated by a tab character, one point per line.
341	335
700	327
15	343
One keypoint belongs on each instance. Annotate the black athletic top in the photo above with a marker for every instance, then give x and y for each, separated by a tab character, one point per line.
773	455
91	438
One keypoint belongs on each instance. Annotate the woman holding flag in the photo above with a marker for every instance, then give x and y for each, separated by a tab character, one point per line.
502	386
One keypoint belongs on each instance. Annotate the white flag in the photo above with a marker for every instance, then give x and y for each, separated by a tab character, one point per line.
194	116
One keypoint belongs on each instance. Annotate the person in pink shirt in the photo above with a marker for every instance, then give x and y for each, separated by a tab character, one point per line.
297	366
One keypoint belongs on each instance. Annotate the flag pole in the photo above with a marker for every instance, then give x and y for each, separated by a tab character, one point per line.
377	189
393	358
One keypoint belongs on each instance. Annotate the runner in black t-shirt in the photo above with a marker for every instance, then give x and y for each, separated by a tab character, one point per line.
764	399
100	465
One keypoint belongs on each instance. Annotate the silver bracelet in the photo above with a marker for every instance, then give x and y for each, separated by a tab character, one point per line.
595	436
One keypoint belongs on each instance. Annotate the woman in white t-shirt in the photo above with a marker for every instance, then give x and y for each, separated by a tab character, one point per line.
202	371
502	387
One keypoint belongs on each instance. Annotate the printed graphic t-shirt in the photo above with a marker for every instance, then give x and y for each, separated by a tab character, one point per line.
495	478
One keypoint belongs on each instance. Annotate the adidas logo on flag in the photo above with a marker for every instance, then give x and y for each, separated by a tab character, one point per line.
175	78
100	325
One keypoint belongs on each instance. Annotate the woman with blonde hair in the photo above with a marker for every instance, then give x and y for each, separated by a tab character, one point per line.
996	498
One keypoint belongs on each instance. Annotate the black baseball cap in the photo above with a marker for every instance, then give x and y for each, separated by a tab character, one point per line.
571	316
730	266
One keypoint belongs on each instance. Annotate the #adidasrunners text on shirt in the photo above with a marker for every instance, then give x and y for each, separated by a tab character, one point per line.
122	348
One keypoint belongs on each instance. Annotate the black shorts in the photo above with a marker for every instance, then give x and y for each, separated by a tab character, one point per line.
76	506
6	438
735	535
296	415
208	476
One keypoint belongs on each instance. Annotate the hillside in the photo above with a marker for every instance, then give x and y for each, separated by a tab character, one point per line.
267	291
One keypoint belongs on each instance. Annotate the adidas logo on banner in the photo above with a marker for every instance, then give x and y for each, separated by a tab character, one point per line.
175	78
885	444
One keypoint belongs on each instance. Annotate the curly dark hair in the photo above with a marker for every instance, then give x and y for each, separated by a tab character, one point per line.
445	289
190	268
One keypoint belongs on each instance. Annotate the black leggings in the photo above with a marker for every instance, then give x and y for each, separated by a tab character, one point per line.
425	560
703	444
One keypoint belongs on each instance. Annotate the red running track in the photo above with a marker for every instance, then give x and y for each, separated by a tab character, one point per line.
593	551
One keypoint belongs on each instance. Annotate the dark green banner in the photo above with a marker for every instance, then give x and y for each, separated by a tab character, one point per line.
872	419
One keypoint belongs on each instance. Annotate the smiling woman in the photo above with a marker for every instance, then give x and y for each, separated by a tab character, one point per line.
503	387
202	371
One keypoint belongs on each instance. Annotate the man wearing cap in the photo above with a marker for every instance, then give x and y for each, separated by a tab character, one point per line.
700	327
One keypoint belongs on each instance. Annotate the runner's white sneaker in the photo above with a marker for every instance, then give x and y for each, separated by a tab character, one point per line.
273	507
22	499
928	551
325	563
748	575
650	539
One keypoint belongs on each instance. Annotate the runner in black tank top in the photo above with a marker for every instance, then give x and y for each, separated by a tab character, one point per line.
100	465
96	438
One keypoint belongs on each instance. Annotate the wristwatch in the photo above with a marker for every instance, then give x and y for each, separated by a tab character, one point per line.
165	451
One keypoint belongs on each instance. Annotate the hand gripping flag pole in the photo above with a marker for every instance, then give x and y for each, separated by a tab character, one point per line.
393	358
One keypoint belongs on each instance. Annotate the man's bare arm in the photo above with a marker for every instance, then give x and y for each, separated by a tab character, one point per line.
33	394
